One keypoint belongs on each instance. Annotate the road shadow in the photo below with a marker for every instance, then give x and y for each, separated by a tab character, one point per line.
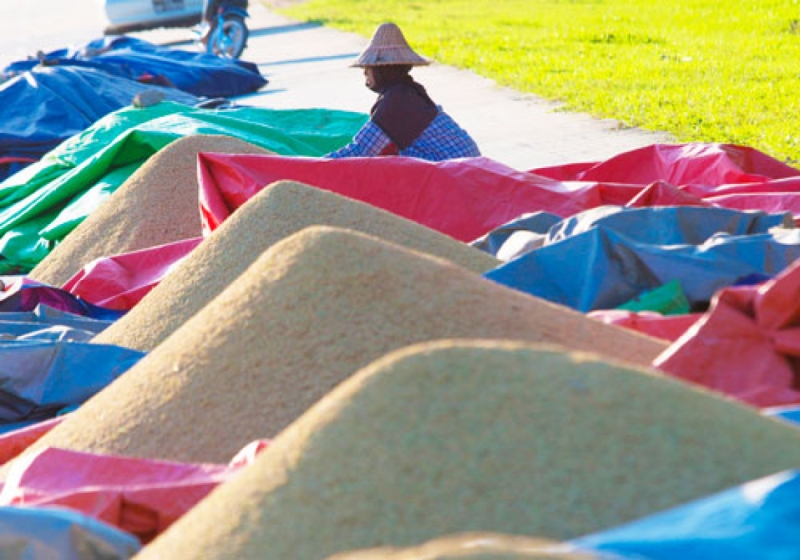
254	32
288	28
309	59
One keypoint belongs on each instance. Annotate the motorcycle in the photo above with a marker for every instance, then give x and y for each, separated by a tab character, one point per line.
228	37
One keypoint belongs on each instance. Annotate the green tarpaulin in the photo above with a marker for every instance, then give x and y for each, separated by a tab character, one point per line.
45	201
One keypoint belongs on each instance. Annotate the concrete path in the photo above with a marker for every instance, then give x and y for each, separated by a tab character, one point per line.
308	66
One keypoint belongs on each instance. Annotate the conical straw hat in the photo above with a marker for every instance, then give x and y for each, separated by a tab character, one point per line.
509	437
274	213
307	314
476	546
157	204
388	46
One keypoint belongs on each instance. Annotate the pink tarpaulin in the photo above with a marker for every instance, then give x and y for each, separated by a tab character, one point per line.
142	497
679	164
15	442
462	198
747	345
469	197
667	327
121	281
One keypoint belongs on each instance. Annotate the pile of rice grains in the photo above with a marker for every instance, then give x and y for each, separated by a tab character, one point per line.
409	402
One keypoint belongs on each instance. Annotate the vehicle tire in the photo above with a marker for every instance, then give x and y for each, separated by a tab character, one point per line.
229	39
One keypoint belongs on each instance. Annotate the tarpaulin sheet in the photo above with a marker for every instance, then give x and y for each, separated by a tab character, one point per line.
755	520
699	174
198	73
24	294
601	268
754	332
790	413
462	198
46	105
121	281
54	533
518	236
20	323
45	201
668	299
667	327
655	225
469	197
40	378
14	442
12	164
142	497
698	164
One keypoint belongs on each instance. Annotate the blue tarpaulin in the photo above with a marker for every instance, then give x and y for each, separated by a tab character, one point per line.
755	520
40	378
43	316
662	225
46	105
61	534
601	265
200	74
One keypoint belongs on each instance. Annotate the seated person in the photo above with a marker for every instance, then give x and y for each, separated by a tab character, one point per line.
404	120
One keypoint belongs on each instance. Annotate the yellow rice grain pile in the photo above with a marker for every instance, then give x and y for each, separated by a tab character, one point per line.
307	314
273	214
157	204
462	436
474	546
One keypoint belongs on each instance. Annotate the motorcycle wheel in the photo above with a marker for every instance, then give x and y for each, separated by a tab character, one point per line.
229	38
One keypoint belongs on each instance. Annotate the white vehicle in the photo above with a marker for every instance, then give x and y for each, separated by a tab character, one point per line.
136	15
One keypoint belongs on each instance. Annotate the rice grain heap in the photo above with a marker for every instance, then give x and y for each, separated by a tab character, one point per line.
307	314
157	204
276	212
503	437
475	546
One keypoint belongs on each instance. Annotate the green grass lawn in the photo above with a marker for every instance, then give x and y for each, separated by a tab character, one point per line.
703	70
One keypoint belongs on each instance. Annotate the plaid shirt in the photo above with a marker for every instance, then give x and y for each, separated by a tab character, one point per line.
443	139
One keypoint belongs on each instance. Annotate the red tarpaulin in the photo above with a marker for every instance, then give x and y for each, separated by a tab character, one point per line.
142	497
461	198
667	327
121	281
747	345
679	164
467	198
15	442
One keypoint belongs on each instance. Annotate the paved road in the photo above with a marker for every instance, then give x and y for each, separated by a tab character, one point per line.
308	66
30	25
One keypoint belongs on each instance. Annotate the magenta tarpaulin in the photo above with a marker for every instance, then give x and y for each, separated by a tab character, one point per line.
461	198
120	281
667	327
695	164
467	198
15	442
747	345
140	496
